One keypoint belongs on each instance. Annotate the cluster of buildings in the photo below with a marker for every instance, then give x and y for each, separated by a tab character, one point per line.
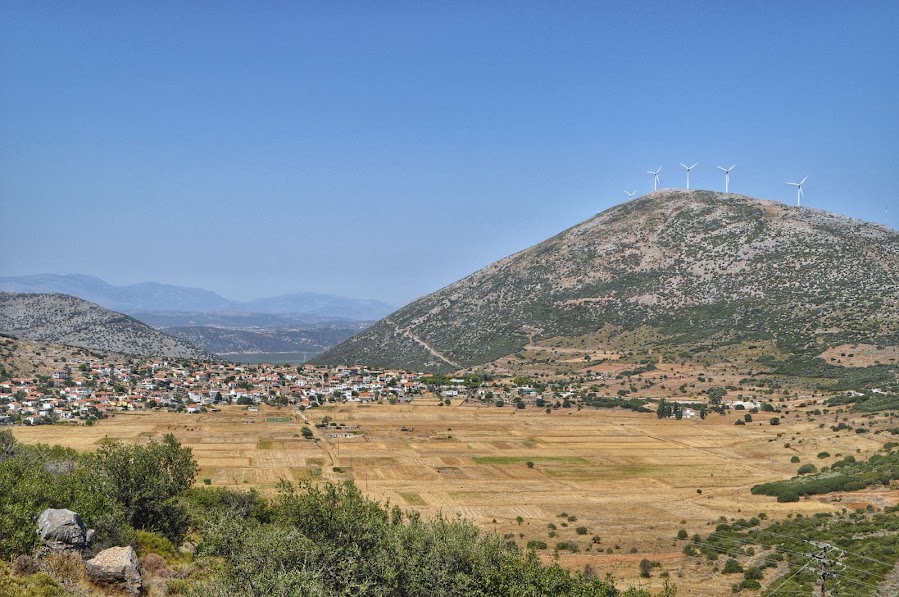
89	391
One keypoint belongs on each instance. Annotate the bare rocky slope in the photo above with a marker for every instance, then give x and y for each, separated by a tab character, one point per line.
693	269
69	320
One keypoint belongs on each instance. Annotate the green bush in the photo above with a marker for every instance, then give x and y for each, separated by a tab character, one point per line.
807	468
147	481
731	566
33	478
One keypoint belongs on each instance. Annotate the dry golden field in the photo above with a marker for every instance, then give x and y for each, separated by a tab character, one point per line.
630	478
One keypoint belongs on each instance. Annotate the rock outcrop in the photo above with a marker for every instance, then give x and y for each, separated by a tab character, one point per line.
63	530
116	568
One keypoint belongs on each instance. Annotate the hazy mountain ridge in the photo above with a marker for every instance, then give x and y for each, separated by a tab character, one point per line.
64	319
155	297
313	340
694	266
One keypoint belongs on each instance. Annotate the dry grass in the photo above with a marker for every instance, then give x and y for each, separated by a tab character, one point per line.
630	478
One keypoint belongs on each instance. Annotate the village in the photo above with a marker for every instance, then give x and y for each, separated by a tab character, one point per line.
88	391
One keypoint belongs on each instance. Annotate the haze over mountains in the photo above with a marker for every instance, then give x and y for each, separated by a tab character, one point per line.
687	271
152	297
282	328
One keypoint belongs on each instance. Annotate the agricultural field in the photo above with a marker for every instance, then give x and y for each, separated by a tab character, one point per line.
616	485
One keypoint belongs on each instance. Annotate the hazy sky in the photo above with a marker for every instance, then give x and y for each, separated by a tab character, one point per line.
386	149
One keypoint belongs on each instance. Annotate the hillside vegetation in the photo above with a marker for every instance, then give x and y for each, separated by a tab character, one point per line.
690	271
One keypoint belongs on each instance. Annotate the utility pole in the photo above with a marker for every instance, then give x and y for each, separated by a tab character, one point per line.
825	560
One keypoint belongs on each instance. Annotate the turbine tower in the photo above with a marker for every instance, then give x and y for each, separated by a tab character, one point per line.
727	176
655	180
688	168
799	194
630	194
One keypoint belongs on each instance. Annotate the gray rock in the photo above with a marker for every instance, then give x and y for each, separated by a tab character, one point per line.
116	568
63	530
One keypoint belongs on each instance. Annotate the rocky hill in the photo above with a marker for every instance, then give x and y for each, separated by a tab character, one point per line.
65	319
685	271
29	358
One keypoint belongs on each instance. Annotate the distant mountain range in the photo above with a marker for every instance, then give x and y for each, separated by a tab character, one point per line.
65	319
152	297
678	274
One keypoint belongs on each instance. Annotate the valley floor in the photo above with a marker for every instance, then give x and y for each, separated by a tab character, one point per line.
631	480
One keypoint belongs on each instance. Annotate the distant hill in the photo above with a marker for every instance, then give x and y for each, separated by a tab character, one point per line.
65	319
228	341
148	296
325	305
674	273
152	297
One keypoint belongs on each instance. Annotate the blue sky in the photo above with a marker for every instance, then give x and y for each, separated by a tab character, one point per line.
384	150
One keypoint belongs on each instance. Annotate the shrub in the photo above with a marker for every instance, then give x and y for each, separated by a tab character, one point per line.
823	454
732	566
567	546
146	480
682	534
535	544
581	530
775	421
794	459
753	573
645	568
807	468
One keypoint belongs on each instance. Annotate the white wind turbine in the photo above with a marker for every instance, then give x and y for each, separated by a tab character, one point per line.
688	168
630	194
727	176
799	194
655	180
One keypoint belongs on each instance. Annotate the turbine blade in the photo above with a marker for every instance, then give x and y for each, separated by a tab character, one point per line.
682	164
732	167
722	169
804	179
694	165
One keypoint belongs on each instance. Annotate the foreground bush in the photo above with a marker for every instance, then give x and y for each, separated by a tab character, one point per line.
332	540
33	478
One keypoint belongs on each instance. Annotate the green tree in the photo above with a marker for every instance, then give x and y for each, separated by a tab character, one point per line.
147	480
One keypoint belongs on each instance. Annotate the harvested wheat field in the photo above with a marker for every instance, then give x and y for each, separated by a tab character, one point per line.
629	479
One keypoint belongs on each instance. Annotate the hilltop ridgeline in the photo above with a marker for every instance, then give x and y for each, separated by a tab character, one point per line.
65	319
688	266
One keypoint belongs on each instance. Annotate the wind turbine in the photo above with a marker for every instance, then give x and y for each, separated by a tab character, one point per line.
630	194
688	168
799	194
727	176
655	180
